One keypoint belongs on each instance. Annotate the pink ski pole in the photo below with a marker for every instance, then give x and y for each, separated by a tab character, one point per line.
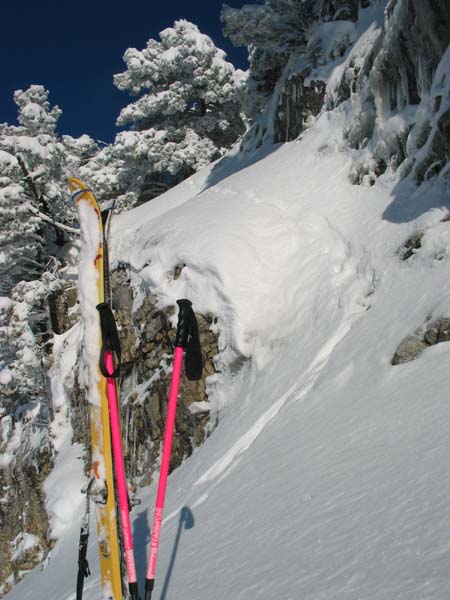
186	339
111	347
121	482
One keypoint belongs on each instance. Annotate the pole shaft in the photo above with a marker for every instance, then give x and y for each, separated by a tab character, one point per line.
120	469
165	462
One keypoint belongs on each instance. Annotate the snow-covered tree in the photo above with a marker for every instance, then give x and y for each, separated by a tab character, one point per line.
77	152
187	113
21	242
34	217
35	114
276	25
271	31
38	158
23	334
34	166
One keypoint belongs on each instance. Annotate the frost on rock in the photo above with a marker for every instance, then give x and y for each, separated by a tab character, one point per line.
400	117
288	78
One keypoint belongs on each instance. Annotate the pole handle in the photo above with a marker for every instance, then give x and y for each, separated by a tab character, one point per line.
187	338
110	340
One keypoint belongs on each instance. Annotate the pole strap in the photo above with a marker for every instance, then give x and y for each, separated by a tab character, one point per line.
110	339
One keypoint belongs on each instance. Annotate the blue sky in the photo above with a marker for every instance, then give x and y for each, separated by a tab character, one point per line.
74	49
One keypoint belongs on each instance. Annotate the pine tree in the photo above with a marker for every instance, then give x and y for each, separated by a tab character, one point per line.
34	165
38	176
186	116
21	241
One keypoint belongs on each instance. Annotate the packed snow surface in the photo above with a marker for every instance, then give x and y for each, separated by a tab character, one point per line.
327	476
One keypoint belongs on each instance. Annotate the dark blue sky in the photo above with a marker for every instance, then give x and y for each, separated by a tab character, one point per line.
74	49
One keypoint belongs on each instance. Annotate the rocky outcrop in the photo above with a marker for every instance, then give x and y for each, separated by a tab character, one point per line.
297	102
412	347
147	338
340	10
23	518
147	341
404	84
411	246
63	308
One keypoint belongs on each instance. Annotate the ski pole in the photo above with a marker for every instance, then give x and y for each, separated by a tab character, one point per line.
119	468
186	339
111	345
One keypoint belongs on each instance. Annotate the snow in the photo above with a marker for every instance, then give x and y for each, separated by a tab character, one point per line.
327	475
7	161
87	290
198	408
63	486
63	490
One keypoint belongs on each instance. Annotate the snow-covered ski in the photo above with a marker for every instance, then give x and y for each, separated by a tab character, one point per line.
91	294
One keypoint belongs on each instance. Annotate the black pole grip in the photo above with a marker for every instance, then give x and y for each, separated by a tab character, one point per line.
134	591
187	338
110	339
184	323
149	585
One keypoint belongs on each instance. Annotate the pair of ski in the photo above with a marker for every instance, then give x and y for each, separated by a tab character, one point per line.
107	473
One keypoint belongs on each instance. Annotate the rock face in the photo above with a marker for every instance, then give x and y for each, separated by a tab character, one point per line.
411	347
297	102
22	513
403	83
26	458
299	97
63	308
340	10
403	75
147	339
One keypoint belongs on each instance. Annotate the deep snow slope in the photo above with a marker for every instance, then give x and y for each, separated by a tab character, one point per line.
327	476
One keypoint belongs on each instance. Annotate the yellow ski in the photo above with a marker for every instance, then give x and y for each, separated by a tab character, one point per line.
101	471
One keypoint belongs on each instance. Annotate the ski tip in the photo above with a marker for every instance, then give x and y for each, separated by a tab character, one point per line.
79	190
76	184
